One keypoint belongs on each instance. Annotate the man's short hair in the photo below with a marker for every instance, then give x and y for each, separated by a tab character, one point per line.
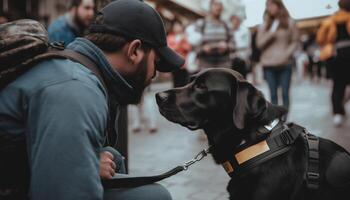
75	3
344	4
111	42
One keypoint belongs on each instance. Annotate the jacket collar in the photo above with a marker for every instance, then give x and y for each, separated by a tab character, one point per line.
118	87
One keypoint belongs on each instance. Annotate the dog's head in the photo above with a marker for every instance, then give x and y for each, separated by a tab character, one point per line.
217	97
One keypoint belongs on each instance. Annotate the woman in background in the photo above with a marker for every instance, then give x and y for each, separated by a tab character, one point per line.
277	38
334	39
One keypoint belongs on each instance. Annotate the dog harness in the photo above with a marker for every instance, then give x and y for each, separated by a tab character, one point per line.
281	137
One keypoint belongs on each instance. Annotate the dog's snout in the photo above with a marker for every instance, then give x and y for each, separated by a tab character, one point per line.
162	97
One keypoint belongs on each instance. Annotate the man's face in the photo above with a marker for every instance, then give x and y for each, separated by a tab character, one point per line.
143	75
216	8
151	66
236	22
85	13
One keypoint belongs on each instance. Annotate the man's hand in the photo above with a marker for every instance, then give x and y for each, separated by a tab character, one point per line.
222	46
107	165
207	48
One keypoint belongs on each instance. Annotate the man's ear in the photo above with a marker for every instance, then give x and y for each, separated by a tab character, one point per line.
134	52
250	104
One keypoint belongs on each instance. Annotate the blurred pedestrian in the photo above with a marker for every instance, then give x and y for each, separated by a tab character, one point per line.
334	39
72	24
144	113
177	40
71	110
302	60
194	39
242	50
216	40
255	58
4	18
277	39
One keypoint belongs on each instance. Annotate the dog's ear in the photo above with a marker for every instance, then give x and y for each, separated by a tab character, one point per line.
249	104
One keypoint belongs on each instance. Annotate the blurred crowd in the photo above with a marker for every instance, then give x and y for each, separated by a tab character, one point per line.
272	51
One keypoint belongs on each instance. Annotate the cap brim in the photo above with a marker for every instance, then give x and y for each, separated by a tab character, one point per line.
169	60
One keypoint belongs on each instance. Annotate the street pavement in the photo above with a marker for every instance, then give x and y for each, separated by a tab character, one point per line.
172	145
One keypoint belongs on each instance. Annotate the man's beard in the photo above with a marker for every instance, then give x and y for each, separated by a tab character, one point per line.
79	23
138	81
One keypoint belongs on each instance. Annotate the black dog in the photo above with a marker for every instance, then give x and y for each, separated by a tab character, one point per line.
266	159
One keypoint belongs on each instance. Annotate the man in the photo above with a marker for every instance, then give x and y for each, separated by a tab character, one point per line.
214	49
61	108
3	18
72	24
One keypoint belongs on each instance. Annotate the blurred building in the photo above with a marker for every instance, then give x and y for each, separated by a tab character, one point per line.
184	10
41	10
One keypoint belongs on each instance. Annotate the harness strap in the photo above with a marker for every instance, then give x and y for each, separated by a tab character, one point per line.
59	50
313	175
244	160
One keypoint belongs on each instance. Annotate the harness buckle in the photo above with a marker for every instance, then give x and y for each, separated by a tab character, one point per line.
312	180
313	176
197	158
57	45
287	137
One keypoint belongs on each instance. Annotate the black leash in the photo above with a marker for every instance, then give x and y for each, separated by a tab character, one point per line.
127	182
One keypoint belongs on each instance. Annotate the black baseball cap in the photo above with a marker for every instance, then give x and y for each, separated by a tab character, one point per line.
137	20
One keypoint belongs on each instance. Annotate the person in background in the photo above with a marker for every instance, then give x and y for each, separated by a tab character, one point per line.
177	40
302	61
277	39
255	58
72	24
194	39
216	40
241	38
144	113
4	18
69	113
334	38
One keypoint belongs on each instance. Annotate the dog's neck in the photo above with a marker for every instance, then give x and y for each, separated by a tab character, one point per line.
225	138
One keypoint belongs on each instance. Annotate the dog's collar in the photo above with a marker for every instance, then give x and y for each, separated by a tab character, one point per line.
280	138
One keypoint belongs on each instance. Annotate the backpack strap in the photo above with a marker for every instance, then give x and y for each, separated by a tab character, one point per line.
85	61
227	29
111	135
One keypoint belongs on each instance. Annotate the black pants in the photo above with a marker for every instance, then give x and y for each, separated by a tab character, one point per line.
338	93
340	70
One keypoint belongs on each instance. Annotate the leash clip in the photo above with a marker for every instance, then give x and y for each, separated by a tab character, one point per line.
197	158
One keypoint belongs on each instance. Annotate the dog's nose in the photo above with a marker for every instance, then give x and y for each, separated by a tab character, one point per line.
162	96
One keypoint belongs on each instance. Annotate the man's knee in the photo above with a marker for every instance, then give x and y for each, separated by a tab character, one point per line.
147	192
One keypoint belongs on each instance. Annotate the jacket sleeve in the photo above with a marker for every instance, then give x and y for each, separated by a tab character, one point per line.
66	122
294	40
326	33
264	37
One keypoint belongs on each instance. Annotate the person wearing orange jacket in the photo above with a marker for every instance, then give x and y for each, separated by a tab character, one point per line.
333	37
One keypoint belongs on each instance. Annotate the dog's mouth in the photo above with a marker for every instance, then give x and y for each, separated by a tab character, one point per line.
174	115
193	125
